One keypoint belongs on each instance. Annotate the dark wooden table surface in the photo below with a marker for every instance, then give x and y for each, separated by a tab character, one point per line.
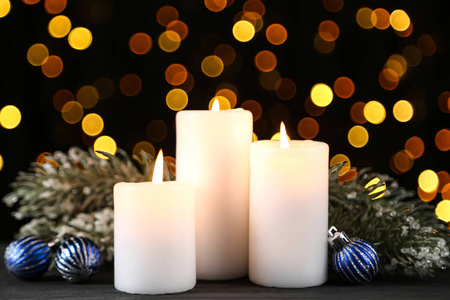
101	286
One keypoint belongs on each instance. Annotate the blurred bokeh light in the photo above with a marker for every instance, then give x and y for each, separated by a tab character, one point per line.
106	144
80	38
5	7
10	117
140	43
59	26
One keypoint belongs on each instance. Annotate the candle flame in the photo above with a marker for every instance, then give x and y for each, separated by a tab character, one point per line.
216	105
284	143
158	169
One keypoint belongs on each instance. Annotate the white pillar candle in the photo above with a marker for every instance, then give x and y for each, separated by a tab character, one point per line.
288	213
213	153
154	237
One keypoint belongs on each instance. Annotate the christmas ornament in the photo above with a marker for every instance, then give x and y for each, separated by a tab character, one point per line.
27	257
355	260
77	259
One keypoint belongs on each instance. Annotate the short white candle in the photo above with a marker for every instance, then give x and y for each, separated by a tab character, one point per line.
288	213
154	236
213	153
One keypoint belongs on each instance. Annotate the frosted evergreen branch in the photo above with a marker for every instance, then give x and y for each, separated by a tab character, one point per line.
405	231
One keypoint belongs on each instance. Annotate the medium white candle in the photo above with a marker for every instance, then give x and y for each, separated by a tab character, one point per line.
154	236
213	153
288	213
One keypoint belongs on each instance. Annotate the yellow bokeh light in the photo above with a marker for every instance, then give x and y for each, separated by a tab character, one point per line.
254	137
72	112
59	26
10	117
276	137
92	124
37	54
5	7
169	41
358	136
403	111
212	66
339	158
377	190
321	94
80	38
443	210
400	20
87	96
364	18
1	162
428	181
243	31
176	99
106	144
397	63
374	112
224	104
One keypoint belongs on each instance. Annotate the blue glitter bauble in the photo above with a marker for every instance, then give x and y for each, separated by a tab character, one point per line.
355	259
27	257
77	259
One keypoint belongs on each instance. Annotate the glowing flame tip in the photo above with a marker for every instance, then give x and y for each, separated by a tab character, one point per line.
284	142
216	105
158	169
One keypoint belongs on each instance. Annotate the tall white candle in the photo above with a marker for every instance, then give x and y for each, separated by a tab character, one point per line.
154	237
288	213
213	153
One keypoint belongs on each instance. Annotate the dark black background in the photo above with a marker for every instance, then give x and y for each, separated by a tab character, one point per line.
359	54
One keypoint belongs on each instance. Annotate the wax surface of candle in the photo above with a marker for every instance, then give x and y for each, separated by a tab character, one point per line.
288	214
154	237
213	154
